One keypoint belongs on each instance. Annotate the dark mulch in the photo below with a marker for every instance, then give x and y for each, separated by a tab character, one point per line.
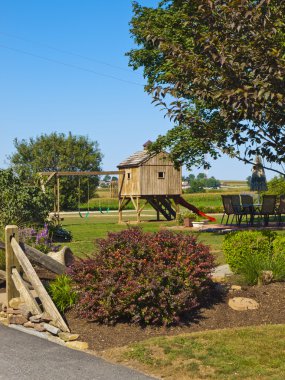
214	314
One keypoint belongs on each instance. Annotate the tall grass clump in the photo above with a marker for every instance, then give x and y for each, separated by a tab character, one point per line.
249	253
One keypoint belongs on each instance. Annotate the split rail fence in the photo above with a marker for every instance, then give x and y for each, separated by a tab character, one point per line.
18	258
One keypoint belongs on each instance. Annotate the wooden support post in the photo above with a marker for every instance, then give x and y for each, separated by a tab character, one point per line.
47	302
177	209
138	210
11	261
54	197
120	211
25	293
58	196
157	215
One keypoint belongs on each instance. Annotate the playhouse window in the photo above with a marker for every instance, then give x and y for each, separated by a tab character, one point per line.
161	175
128	175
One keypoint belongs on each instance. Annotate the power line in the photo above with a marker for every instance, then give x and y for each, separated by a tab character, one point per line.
70	65
65	51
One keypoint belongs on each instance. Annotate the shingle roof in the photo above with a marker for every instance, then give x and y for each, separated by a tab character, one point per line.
136	159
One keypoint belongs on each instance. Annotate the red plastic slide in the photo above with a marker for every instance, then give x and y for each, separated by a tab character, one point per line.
190	207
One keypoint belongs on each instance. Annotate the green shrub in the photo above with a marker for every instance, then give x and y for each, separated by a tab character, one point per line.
62	293
147	278
250	252
279	258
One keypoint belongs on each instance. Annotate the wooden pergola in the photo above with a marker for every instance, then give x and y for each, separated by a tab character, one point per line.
56	176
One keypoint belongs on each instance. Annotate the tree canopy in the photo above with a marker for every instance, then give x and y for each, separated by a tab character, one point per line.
199	183
217	68
59	152
21	204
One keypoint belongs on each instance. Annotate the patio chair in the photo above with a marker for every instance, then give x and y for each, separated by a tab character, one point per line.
228	208
268	207
239	211
247	205
232	207
247	202
281	208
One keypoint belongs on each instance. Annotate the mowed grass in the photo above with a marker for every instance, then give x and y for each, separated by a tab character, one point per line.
230	354
209	201
86	231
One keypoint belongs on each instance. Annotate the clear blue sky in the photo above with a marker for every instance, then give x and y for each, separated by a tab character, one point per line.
63	68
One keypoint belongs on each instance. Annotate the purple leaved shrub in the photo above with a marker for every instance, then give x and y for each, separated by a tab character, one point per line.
146	278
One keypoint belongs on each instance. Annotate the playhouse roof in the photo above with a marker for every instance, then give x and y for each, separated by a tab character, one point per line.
136	159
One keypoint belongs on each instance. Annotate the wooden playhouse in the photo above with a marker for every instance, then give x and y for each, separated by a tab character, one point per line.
149	178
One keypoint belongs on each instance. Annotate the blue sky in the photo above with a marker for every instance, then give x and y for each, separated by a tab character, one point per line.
63	68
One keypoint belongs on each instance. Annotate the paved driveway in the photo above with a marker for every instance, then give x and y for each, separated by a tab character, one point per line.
26	357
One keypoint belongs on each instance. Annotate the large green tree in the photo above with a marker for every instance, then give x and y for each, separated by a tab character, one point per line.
217	68
59	152
21	203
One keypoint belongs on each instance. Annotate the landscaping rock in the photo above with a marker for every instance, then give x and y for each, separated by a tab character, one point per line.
17	319
242	304
29	324
35	318
25	311
52	329
15	302
39	327
265	277
3	314
13	311
77	345
4	321
4	307
235	287
221	272
54	339
68	337
29	331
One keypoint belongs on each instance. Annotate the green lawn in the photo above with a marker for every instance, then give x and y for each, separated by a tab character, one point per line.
208	202
240	353
86	231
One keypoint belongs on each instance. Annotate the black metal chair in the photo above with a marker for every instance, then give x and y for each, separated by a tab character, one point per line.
247	202
239	211
268	208
228	208
232	206
281	209
248	206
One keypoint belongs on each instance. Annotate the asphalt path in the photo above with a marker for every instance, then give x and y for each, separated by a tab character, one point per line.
26	357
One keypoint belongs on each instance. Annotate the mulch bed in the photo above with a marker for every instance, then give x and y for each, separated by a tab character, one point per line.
214	314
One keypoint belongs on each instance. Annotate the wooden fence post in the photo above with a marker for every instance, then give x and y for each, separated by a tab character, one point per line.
11	262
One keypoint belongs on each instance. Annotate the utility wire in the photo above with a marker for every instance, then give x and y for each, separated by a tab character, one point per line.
70	65
64	51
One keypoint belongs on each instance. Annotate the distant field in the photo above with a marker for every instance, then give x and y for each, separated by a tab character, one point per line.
233	183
